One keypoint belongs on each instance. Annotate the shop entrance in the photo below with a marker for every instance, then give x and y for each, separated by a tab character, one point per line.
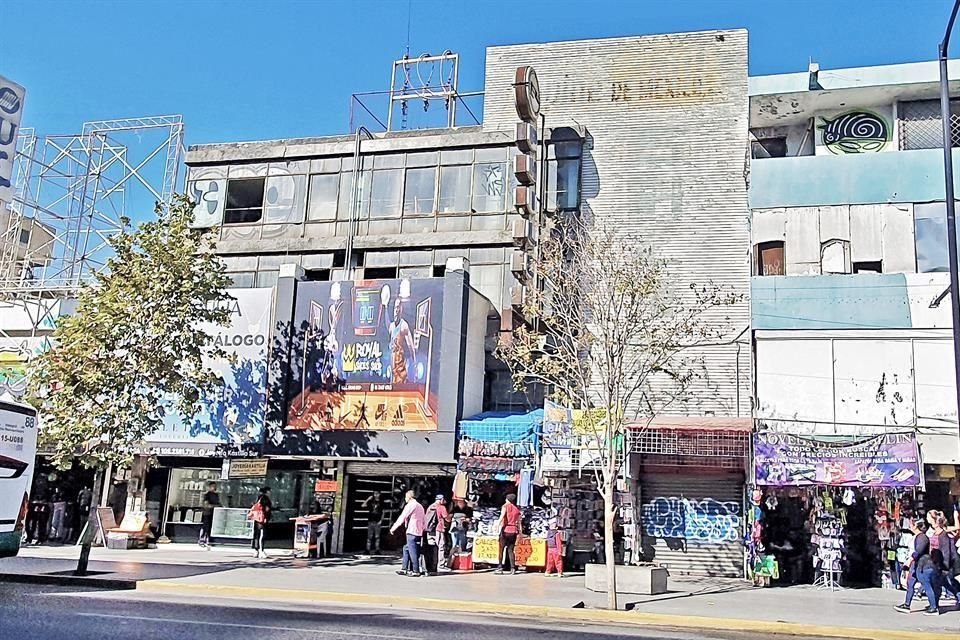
391	489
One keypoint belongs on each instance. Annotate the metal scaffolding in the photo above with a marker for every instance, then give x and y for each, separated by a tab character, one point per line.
72	193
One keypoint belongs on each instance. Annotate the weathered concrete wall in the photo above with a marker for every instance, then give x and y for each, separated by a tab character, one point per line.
666	117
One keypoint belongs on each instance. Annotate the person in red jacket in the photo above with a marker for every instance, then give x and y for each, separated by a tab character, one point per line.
554	549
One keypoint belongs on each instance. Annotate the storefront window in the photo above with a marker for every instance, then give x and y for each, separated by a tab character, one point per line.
187	487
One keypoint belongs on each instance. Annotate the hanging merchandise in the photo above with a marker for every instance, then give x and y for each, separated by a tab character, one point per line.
525	489
460	485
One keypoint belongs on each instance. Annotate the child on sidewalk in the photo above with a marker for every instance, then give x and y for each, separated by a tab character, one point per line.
554	549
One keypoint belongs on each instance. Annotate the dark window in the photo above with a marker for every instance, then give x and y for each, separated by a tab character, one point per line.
339	259
868	267
316	275
920	125
769	148
24	236
439	270
770	259
379	273
563	170
244	201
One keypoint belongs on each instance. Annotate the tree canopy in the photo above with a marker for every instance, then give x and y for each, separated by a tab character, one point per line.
133	348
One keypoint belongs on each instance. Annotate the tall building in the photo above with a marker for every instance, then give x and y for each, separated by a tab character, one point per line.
647	134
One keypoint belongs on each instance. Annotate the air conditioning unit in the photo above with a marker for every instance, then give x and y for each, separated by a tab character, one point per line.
520	265
524	233
525	168
525	200
526	138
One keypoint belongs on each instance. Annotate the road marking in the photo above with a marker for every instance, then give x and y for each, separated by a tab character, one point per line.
244	626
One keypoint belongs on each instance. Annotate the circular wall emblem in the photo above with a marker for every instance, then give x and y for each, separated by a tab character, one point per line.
526	94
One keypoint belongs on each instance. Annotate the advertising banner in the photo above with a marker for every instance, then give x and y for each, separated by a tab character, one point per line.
233	419
889	460
558	438
367	355
11	112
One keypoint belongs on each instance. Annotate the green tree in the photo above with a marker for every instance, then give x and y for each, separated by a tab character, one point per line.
134	347
614	334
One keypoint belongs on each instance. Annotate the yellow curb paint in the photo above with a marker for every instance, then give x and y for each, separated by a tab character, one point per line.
629	618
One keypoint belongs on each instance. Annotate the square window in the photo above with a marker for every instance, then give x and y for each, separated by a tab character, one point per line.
455	189
324	191
489	187
385	193
244	201
346	196
419	192
286	198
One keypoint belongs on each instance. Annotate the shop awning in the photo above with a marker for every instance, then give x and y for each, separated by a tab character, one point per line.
502	427
698	423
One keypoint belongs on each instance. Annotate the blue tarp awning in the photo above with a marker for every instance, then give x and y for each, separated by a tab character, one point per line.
495	426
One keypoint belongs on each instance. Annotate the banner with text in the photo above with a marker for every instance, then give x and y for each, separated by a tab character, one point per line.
889	460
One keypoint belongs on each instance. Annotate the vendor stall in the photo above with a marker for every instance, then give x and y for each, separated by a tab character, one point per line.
497	456
833	513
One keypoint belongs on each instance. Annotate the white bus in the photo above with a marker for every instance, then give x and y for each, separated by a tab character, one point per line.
18	455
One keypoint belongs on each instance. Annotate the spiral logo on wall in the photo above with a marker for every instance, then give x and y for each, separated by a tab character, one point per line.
855	132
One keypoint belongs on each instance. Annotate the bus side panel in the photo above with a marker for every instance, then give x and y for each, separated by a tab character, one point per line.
18	453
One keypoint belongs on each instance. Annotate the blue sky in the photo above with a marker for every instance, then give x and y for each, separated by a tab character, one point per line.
240	70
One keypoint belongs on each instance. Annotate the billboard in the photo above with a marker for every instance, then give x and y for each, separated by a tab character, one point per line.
367	356
11	112
232	421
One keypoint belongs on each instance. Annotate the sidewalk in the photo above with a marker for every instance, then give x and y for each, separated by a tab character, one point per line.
700	603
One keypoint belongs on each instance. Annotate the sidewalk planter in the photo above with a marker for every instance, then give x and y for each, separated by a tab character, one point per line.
648	581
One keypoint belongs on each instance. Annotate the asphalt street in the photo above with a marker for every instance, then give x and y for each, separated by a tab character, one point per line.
30	612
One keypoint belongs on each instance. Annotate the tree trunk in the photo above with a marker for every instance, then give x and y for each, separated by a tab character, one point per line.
608	546
90	532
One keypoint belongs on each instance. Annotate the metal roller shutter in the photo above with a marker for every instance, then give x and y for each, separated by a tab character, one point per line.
412	469
693	525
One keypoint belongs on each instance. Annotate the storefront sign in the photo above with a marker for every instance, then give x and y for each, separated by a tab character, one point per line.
369	356
11	111
531	552
248	468
326	485
486	550
890	460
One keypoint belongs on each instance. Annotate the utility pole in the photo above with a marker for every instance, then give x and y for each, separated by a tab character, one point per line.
949	196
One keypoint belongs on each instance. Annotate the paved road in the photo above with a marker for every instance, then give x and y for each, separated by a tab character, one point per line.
30	612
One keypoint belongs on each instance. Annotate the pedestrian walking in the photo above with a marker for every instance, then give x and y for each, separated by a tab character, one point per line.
374	508
414	519
511	528
943	550
211	500
922	570
260	514
554	549
438	523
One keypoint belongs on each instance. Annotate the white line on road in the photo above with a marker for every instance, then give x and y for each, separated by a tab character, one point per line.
326	632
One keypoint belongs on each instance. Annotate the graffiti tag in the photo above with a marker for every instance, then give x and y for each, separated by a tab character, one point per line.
707	520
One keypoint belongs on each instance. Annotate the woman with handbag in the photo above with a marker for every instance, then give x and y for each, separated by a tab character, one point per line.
260	515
